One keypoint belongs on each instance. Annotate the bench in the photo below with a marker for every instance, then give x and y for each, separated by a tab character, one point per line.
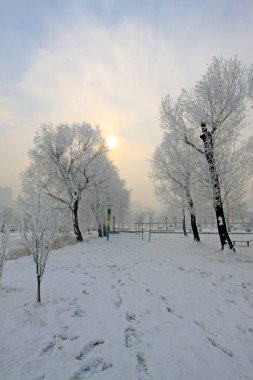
242	241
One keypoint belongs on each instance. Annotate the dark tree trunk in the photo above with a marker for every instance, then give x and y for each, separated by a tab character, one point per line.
38	282
104	230
100	232
194	228
183	222
166	223
217	201
38	288
77	231
192	211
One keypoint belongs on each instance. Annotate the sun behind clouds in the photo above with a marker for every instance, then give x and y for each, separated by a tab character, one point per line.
112	142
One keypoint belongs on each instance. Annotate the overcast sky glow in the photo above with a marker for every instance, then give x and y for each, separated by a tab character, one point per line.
107	62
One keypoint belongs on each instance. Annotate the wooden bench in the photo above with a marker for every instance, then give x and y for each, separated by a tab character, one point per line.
242	241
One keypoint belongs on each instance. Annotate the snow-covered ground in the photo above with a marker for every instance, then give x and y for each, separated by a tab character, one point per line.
128	309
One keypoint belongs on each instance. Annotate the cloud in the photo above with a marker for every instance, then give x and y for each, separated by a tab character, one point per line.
112	77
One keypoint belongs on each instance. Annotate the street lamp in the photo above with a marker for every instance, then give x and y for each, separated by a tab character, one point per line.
109	213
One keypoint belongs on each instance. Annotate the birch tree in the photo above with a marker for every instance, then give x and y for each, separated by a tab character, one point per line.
215	112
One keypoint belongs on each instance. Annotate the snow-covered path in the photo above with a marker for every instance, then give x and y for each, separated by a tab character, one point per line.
128	309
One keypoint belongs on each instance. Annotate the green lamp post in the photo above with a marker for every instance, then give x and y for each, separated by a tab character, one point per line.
109	214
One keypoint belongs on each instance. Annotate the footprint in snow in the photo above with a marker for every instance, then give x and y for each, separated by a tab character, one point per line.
220	347
87	348
132	338
91	367
172	312
121	283
78	312
149	292
169	309
118	301
66	337
130	317
142	367
203	327
241	328
48	349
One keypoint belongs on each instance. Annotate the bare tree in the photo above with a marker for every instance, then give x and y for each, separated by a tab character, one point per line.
150	214
40	226
215	109
64	164
139	217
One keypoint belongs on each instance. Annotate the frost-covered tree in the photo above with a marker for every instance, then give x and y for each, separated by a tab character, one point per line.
173	168
234	169
40	225
4	235
214	112
63	164
250	154
139	219
108	189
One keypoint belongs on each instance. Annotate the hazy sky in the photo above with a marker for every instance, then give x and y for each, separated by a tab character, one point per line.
107	62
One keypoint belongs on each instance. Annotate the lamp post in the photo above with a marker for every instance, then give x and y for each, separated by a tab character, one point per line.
109	213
